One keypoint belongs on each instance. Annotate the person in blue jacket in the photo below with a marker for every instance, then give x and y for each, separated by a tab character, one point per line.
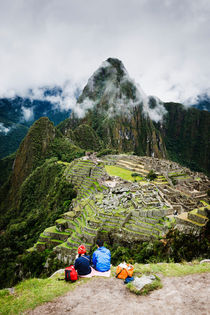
101	257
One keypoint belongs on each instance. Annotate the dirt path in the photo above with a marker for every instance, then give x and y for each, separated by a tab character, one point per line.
179	295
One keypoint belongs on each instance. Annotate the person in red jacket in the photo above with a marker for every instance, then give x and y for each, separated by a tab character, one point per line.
82	263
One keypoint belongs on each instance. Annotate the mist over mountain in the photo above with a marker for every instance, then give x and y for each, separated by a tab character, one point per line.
115	110
128	120
17	114
202	102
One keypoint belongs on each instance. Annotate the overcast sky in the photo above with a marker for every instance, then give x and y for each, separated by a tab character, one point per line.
164	44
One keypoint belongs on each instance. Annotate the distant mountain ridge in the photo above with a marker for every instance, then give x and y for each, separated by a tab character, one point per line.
202	102
18	114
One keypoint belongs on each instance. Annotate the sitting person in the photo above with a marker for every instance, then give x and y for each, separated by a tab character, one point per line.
101	257
82	263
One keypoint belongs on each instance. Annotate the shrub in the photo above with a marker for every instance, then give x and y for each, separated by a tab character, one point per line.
151	175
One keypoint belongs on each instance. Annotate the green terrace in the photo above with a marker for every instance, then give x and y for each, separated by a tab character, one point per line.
95	210
122	173
196	217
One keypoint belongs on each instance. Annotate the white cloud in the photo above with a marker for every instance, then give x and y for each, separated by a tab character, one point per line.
164	44
28	113
4	129
113	91
63	100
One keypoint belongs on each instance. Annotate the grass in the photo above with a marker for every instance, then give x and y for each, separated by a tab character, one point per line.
122	173
172	269
33	292
166	269
52	229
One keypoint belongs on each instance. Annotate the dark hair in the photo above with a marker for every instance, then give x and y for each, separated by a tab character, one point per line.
99	243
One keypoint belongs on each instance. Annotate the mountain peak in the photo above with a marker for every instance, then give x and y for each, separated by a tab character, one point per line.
110	87
117	64
112	90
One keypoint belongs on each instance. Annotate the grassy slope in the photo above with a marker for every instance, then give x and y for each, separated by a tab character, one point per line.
121	172
31	293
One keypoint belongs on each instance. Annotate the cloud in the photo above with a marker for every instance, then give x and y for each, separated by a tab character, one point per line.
113	86
63	98
4	129
28	113
164	44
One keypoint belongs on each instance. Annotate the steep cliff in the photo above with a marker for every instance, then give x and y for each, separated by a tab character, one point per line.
117	110
186	134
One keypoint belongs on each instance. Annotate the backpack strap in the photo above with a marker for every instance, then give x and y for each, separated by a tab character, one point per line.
86	258
119	272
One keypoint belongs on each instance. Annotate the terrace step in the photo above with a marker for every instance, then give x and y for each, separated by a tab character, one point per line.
72	243
143	230
90	230
152	220
61	225
139	235
145	225
194	216
68	215
89	237
183	219
202	211
54	234
40	246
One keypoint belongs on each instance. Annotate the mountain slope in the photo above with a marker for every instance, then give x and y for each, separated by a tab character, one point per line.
186	133
34	193
119	112
18	114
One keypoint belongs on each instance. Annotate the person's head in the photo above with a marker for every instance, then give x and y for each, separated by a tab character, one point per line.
99	243
81	250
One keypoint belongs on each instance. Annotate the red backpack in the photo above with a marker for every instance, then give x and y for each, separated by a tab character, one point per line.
70	274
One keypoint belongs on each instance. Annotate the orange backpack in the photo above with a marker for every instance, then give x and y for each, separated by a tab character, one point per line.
124	270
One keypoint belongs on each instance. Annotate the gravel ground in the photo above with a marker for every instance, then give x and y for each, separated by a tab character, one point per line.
179	295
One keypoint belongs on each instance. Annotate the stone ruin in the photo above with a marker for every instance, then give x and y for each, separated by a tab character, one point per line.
112	208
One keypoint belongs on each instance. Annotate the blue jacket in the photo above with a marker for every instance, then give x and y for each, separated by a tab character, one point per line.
101	259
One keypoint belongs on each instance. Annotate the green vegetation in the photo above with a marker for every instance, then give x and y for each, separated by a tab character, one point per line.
10	142
6	168
33	292
41	200
106	152
175	247
187	136
172	269
86	138
156	284
122	173
151	175
64	150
